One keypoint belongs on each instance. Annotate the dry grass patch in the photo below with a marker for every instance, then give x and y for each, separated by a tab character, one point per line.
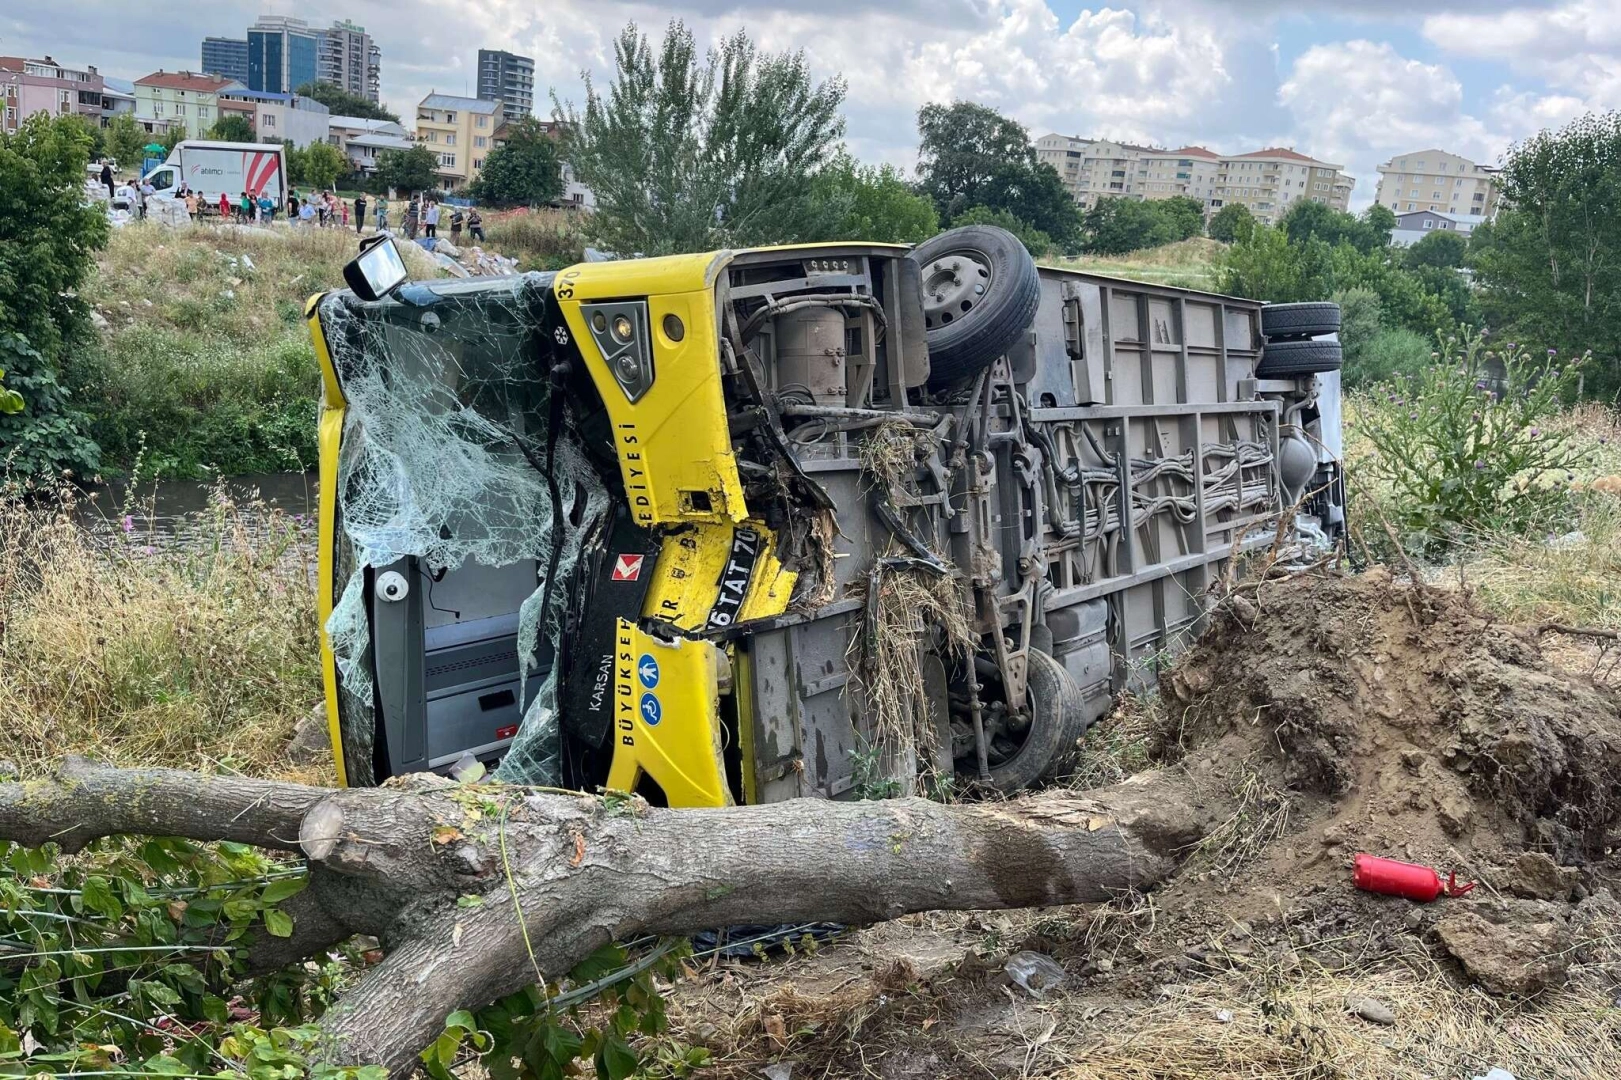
200	655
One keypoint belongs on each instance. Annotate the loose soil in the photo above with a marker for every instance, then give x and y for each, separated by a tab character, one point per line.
1342	714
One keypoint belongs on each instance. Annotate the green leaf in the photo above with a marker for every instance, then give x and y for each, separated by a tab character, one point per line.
469	900
616	1060
608	958
97	895
166	1065
278	923
277	891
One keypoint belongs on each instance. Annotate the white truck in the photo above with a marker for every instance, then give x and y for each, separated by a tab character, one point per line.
211	168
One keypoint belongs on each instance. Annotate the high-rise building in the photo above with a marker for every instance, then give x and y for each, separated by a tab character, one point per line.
1435	180
283	54
1267	181
226	57
350	60
509	79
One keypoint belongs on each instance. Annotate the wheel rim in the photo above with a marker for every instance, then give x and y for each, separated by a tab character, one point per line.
954	286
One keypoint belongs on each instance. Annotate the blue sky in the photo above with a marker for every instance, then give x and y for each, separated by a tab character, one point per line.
1351	82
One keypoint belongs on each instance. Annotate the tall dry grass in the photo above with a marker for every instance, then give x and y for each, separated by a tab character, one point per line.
1187	264
201	654
538	239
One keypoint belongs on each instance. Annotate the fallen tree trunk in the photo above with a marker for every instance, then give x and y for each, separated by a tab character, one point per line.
560	875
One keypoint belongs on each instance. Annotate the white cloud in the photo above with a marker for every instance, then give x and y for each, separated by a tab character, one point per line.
1359	102
1574	46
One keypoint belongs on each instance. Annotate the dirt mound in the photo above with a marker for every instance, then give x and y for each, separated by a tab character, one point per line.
1339	714
1403	721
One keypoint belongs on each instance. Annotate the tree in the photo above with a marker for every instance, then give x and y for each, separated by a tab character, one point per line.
48	241
342	103
523	171
1550	264
872	203
686	154
1443	248
94	135
232	127
125	140
1308	218
520	886
1378	221
1231	223
406	171
1035	241
322	164
172	137
1115	226
971	155
1184	215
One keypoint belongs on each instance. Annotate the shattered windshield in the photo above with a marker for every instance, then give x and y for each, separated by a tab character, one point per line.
455	453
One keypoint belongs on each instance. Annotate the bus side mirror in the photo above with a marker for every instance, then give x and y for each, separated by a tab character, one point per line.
377	271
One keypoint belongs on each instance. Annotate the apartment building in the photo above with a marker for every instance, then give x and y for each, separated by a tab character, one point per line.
1093	168
459	130
33	86
348	58
295	120
1270	181
167	98
1434	180
507	78
226	57
1267	181
1190	171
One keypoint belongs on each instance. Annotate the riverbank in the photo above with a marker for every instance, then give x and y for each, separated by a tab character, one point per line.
204	364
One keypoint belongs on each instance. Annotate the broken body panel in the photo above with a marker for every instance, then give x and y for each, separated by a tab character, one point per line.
645	516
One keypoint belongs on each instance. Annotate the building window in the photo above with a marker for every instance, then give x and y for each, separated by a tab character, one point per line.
482	120
269	120
478	163
1409	206
480	141
450	138
448	160
450	118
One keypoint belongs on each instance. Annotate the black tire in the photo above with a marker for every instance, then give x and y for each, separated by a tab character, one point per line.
1286	359
967	331
1300	320
1059	720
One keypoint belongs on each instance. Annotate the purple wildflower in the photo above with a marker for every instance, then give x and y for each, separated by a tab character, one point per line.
1479	464
128	523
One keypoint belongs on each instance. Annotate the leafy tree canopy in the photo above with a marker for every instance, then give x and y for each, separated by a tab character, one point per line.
872	203
1232	222
1116	226
523	171
124	141
406	171
1443	248
48	241
1308	219
971	155
172	137
232	127
1037	242
1550	264
342	103
686	153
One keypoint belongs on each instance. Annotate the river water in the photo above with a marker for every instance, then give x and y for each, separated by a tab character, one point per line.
166	512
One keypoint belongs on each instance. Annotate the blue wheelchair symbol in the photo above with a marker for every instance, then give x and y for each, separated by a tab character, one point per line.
648	669
652	711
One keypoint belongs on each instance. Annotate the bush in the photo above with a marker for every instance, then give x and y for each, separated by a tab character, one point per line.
1469	444
1035	241
538	239
1231	223
1388	354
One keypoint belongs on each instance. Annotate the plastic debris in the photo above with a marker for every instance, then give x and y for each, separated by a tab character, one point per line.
1497	1074
467	769
1035	972
782	1070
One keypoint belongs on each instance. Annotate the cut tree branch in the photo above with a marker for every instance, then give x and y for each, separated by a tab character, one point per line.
583	871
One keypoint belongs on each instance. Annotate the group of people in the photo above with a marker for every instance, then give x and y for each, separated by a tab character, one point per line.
424	215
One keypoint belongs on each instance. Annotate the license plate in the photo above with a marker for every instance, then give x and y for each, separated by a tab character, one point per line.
734	579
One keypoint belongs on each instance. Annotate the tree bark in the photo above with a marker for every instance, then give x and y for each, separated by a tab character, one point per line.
578	871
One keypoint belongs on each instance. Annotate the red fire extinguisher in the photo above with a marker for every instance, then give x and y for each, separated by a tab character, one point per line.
1394	878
